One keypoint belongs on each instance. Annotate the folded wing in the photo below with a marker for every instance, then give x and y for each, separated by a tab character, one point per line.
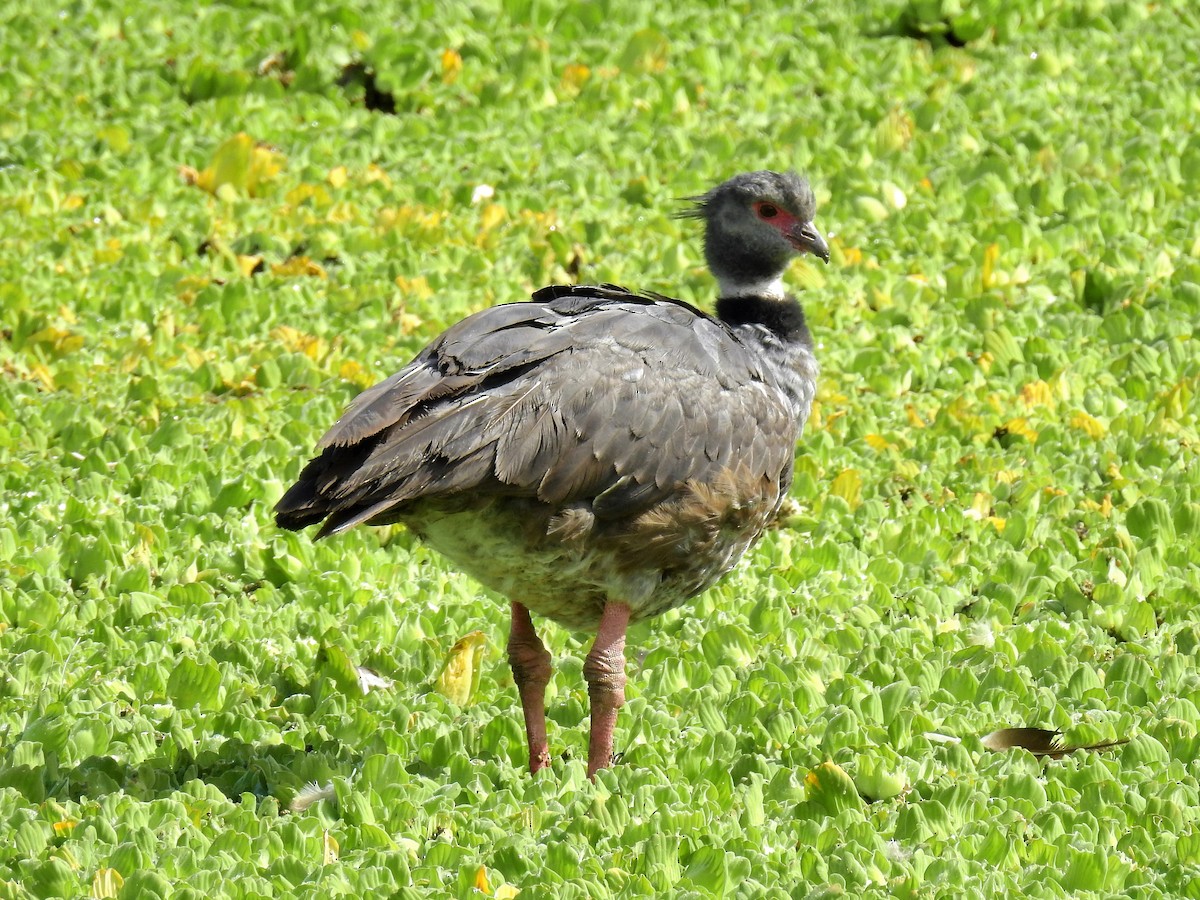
589	394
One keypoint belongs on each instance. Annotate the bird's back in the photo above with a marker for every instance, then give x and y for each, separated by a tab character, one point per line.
588	444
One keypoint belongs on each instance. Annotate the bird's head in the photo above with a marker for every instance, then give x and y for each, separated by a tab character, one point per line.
755	223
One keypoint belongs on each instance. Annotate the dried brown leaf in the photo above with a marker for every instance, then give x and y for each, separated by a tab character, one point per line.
1039	742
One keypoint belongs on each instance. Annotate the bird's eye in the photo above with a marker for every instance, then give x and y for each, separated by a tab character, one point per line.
766	211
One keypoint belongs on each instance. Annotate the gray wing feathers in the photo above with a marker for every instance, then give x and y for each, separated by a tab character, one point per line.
390	402
534	435
608	398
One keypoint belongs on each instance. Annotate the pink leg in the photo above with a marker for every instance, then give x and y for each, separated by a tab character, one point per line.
604	670
530	663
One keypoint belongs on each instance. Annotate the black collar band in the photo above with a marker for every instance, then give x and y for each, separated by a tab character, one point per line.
784	318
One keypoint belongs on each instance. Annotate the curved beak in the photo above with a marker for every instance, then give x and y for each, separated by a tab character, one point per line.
807	239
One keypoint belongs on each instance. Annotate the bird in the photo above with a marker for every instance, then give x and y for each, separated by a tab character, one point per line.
596	455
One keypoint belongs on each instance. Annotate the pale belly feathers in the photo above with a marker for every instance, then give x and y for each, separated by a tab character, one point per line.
565	564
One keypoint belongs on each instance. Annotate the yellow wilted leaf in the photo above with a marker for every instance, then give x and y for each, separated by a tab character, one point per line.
298	266
265	164
298	342
39	372
145	535
1092	426
59	340
988	276
848	486
828	421
1021	428
574	76
342	212
195	814
329	847
106	883
238	387
914	418
72	201
1038	393
352	371
375	173
313	348
815	423
949	626
506	892
188	286
110	253
337	176
410	323
240	163
65	827
304	192
481	882
417	218
460	677
1104	507
491	216
230	164
416	287
451	65
879	442
981	505
248	265
851	256
997	522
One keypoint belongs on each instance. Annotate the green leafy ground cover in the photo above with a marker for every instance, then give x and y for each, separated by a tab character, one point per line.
211	242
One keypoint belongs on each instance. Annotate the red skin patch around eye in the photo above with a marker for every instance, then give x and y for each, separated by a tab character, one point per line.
783	221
